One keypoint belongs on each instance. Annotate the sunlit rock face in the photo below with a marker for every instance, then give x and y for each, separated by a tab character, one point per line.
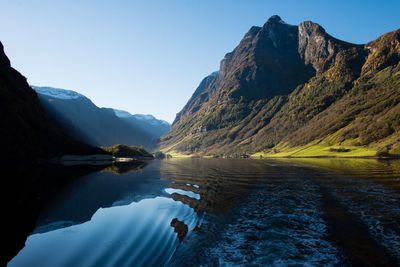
286	86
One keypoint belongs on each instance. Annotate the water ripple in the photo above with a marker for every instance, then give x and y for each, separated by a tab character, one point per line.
277	228
138	233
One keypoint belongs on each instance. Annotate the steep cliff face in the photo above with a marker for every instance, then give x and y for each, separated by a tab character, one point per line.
317	47
265	63
26	131
274	83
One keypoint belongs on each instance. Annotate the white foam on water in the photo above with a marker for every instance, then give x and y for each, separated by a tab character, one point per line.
278	227
377	207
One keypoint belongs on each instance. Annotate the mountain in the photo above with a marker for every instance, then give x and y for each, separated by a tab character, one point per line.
80	117
147	123
290	90
27	132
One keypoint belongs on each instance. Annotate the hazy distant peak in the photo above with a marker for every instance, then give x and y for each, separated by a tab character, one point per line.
122	113
149	118
126	114
57	92
144	116
141	117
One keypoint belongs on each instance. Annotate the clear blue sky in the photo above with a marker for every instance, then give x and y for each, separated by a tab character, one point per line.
149	56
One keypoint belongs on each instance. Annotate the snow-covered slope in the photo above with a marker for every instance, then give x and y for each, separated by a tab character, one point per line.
57	92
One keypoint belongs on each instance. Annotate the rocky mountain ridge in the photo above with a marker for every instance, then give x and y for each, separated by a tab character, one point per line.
284	87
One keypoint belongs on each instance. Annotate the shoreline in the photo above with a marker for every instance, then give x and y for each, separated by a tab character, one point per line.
286	157
93	159
329	157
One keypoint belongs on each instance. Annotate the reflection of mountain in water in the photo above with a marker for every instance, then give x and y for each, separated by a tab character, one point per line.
113	219
138	234
115	185
180	228
26	190
220	183
232	212
38	189
125	167
287	212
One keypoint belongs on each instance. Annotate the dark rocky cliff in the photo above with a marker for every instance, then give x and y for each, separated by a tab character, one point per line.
27	132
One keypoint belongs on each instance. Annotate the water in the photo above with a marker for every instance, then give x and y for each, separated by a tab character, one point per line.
222	212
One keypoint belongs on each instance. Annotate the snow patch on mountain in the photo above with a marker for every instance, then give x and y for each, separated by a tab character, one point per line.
122	113
57	92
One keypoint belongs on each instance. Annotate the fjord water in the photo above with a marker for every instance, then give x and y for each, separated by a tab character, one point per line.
224	212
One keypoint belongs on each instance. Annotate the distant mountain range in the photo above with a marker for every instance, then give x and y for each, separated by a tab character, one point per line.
290	90
27	132
81	118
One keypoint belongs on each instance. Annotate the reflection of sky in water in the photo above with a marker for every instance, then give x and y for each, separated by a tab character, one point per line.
183	192
194	185
131	235
252	211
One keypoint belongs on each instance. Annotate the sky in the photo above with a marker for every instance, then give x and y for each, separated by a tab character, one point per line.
148	56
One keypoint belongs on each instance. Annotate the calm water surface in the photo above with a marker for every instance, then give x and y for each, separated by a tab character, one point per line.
220	212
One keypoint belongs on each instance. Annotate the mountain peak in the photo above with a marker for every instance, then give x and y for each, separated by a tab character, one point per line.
122	113
317	47
310	28
4	61
146	118
275	19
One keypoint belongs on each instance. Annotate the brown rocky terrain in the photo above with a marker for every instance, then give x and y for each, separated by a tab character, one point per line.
288	86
